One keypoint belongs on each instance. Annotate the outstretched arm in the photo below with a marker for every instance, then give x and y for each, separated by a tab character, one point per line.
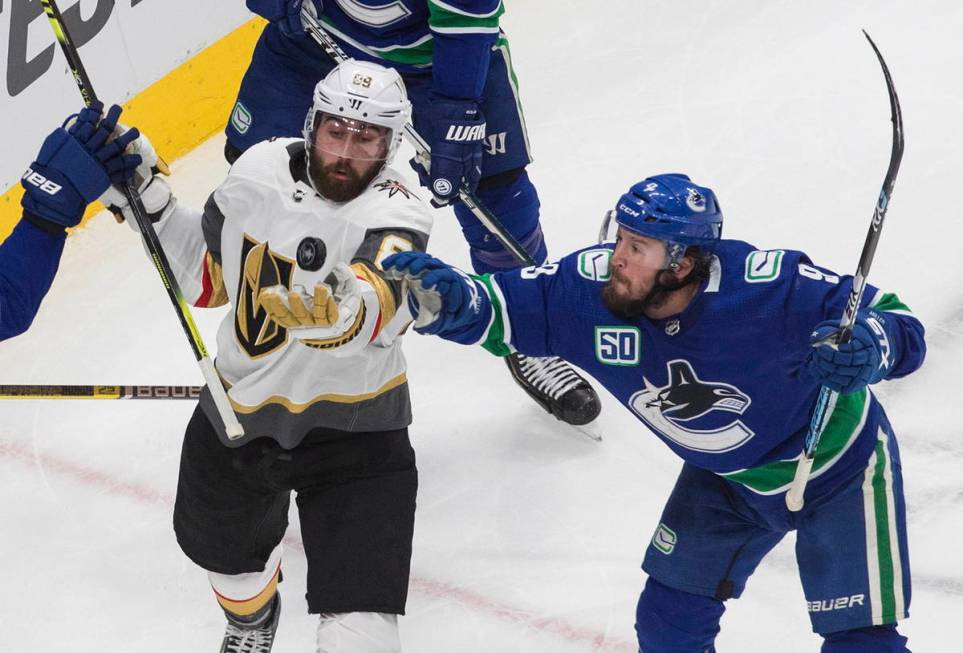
446	301
75	165
505	312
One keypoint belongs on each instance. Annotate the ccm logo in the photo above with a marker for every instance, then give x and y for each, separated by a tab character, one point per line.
41	182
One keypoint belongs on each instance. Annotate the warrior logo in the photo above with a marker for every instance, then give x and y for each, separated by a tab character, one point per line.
685	398
260	268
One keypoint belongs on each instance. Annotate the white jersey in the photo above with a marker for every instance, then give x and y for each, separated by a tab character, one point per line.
249	238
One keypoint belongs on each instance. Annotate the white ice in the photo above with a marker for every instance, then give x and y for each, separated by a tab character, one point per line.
529	536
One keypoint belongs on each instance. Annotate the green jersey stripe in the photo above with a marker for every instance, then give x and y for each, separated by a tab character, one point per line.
497	11
466	30
442	16
884	566
417	53
847	416
497	336
891	303
883	545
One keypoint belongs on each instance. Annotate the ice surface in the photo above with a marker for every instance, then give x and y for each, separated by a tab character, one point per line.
528	536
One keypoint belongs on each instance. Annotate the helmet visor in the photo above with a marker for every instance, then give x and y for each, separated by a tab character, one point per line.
350	139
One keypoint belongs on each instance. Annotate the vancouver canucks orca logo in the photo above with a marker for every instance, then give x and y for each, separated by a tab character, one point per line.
687	398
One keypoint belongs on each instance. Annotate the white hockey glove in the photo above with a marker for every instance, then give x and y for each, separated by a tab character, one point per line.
323	315
153	190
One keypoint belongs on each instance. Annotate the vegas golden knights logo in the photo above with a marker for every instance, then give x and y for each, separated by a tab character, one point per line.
260	268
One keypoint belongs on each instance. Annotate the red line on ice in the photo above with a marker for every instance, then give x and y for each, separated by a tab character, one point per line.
47	463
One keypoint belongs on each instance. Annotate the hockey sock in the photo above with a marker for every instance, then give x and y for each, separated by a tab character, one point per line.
243	595
668	620
874	639
515	203
359	632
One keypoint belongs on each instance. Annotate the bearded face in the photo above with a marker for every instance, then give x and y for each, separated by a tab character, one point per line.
345	156
639	281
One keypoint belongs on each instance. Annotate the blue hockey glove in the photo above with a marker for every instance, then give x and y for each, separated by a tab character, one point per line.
444	299
456	139
864	360
76	165
286	13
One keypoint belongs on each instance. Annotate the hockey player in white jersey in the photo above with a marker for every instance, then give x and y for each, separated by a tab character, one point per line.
311	357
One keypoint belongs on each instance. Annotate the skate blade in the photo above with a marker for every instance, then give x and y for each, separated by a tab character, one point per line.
590	430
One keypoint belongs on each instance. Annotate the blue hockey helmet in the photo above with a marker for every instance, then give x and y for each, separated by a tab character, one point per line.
673	209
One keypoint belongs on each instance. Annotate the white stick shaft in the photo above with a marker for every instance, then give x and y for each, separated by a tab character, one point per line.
794	497
221	402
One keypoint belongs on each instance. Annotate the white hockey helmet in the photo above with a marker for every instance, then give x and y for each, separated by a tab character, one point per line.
365	93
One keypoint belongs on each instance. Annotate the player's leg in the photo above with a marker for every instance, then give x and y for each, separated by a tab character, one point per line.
276	90
707	544
506	190
357	521
671	620
853	558
230	520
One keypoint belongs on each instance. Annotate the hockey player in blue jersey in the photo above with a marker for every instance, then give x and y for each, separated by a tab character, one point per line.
458	72
55	196
709	343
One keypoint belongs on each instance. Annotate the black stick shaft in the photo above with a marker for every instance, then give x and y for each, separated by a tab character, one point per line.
154	247
100	391
794	496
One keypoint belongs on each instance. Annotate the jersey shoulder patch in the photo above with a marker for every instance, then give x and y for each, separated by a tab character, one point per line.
388	203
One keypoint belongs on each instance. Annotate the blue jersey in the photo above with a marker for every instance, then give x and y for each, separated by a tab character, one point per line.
722	383
452	38
29	258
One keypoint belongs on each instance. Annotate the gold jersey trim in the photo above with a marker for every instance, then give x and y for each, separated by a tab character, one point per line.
293	407
386	299
249	606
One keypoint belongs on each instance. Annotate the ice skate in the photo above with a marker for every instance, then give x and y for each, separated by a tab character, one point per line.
254	634
559	389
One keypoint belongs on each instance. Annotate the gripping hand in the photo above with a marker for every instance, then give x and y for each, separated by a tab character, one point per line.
847	367
154	192
456	139
327	312
444	298
76	165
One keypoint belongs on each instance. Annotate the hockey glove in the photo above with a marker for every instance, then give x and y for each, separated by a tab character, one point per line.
456	139
154	192
445	299
75	166
326	313
286	13
848	367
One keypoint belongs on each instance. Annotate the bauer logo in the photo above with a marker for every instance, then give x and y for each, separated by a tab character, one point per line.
41	182
594	264
763	266
841	603
241	118
618	345
664	539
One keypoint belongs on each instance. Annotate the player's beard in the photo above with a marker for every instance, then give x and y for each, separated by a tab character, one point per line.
341	190
631	306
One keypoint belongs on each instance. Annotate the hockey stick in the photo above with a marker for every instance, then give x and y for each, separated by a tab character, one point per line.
100	391
154	247
794	497
423	151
